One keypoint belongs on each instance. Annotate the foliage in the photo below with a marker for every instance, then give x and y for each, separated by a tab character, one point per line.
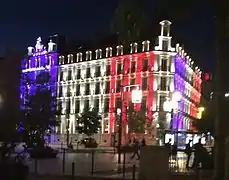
88	122
136	120
129	22
39	112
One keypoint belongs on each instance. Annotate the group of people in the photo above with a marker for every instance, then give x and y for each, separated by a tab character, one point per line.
136	147
201	156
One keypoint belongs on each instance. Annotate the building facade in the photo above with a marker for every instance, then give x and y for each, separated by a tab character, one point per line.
170	84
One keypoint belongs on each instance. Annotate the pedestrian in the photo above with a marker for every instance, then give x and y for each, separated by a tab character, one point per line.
168	145
136	150
143	143
129	142
188	152
198	152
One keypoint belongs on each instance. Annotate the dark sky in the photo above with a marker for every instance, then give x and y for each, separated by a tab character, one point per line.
23	21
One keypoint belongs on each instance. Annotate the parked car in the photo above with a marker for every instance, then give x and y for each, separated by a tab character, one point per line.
89	143
43	152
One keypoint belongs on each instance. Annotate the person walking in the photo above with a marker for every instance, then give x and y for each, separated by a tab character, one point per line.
168	145
143	143
136	150
188	152
198	153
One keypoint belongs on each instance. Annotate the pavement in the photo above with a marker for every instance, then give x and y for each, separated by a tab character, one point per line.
67	177
104	164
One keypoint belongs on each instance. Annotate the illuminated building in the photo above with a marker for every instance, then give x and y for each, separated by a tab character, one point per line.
94	80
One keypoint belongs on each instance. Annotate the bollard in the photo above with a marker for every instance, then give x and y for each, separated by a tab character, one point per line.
63	162
92	161
73	170
35	166
61	147
124	165
133	172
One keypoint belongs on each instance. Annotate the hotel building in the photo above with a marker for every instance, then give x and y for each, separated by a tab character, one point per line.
89	80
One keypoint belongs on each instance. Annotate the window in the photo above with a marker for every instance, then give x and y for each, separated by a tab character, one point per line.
88	73
77	89
108	70
118	85
161	103
69	93
37	63
87	89
86	105
143	104
132	81
61	75
165	45
68	107
164	64
144	64
60	91
47	61
133	66
78	73
118	103
27	63
97	71
69	75
96	105
59	106
163	84
119	68
144	83
77	106
106	105
107	87
97	88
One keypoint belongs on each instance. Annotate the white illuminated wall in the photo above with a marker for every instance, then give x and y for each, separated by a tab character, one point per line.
69	82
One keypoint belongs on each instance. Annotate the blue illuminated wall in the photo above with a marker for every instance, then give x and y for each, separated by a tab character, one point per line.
38	61
179	85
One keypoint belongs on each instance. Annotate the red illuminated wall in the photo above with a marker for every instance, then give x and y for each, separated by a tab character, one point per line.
138	77
126	81
150	88
195	97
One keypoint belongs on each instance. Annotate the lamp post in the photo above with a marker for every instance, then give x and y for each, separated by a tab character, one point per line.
136	97
67	131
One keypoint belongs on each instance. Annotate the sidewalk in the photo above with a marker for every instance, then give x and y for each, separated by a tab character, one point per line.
32	176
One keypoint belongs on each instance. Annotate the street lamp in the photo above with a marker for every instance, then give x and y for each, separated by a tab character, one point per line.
136	97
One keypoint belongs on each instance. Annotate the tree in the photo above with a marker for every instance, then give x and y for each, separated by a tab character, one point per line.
221	85
136	120
88	123
39	112
129	22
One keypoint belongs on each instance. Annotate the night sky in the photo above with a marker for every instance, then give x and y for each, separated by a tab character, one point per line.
23	21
